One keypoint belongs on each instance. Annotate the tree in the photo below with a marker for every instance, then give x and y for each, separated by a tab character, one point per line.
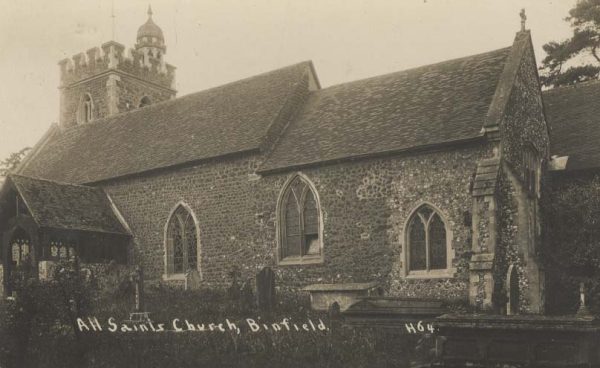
582	48
12	161
571	243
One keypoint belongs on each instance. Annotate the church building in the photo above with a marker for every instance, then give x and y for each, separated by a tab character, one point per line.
424	183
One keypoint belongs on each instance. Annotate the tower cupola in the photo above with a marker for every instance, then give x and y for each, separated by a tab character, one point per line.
150	41
107	80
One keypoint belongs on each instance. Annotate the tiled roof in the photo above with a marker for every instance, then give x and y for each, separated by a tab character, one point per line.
573	113
224	120
429	105
66	206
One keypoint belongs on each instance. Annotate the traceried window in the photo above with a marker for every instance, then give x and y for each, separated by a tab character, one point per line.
426	241
85	113
299	223
531	170
181	242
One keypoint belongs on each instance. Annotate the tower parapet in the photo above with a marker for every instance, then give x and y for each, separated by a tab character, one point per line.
111	56
110	79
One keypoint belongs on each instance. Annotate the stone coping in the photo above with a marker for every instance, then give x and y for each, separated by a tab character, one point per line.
518	322
392	312
397	305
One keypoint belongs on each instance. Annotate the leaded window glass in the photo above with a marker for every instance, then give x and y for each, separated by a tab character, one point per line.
300	221
20	247
181	242
57	250
418	246
427	241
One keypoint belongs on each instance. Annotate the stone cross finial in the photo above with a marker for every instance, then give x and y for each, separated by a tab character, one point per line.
523	19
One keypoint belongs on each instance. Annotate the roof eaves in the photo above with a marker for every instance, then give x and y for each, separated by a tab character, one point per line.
88	230
414	149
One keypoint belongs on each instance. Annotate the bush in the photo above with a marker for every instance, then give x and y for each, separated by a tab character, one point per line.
53	340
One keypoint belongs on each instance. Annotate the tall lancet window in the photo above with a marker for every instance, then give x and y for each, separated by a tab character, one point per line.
181	242
426	241
299	223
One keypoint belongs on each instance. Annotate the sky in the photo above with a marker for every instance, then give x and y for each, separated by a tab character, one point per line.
213	42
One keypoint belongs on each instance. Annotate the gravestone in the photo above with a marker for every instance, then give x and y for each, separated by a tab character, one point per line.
265	289
334	311
192	280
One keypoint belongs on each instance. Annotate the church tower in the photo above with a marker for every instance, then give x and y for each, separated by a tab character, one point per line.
107	80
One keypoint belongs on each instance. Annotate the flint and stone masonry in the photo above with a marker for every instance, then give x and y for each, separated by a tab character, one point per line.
467	139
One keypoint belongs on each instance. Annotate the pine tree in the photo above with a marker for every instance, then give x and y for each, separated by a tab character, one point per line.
12	161
584	44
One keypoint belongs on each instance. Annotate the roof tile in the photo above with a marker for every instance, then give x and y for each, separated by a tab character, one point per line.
573	113
428	105
67	206
220	121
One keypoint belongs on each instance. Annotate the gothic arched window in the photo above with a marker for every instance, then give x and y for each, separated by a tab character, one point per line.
145	101
85	113
181	242
300	234
426	241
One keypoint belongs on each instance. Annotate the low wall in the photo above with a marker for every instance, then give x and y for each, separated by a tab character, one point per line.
517	341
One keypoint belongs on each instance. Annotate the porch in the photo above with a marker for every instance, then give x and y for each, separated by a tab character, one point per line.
44	222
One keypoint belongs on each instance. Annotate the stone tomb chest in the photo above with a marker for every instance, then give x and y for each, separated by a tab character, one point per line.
322	296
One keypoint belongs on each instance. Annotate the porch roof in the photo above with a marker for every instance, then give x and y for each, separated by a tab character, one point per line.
67	206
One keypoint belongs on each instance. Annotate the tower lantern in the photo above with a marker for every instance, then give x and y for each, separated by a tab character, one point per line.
151	42
108	80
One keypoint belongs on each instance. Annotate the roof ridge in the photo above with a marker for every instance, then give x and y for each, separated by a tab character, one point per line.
412	69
